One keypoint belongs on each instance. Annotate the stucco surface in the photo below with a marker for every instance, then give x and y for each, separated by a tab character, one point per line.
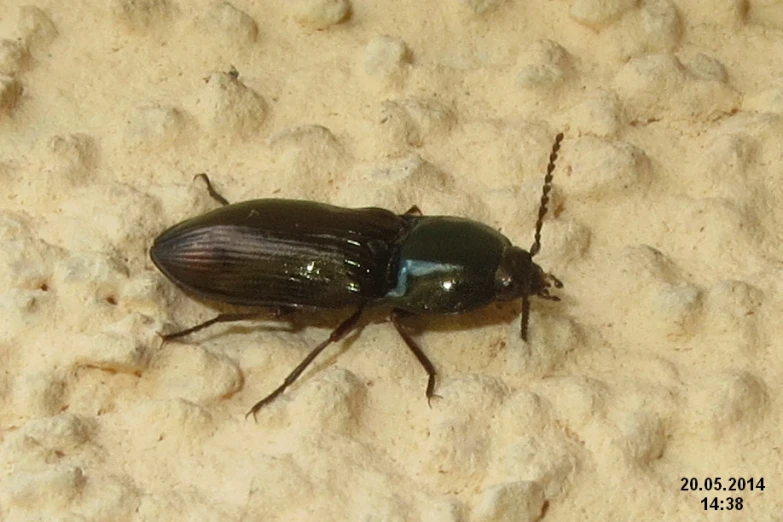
662	363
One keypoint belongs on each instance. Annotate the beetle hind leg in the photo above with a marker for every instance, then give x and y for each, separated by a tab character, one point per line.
276	312
338	333
417	351
222	318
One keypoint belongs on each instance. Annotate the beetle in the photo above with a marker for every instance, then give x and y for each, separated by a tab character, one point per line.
284	255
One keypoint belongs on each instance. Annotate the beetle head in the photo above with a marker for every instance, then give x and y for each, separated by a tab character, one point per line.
517	276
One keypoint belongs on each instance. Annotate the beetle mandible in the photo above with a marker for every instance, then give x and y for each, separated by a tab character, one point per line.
283	255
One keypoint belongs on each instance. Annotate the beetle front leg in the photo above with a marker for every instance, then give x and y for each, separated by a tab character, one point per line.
228	318
416	349
341	331
525	317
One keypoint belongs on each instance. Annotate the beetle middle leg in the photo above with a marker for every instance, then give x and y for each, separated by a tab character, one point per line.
341	331
395	316
276	313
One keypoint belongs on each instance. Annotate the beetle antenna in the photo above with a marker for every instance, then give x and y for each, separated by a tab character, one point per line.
545	195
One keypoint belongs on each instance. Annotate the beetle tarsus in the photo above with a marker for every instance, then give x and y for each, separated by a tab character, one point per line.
417	351
338	333
433	396
214	194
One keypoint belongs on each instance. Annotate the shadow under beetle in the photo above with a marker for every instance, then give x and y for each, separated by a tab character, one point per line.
284	255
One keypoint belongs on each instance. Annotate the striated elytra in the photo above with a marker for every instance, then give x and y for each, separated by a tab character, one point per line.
282	255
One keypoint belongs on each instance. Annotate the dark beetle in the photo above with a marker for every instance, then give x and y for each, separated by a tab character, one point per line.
285	254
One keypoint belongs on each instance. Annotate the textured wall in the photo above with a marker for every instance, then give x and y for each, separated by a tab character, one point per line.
662	362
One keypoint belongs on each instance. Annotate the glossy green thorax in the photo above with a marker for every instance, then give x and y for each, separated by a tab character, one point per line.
447	265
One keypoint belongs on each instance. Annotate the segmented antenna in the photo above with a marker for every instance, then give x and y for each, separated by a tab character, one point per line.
537	241
545	195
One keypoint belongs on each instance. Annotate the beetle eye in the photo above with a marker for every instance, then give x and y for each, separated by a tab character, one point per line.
506	286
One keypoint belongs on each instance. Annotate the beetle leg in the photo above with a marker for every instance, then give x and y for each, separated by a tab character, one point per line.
276	312
416	349
525	317
214	194
413	211
341	331
222	318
